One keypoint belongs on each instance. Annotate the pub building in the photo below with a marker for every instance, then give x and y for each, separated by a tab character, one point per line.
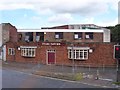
86	44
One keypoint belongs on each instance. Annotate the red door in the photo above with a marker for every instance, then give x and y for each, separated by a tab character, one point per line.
51	57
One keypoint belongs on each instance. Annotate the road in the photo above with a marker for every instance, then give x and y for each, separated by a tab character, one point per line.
17	79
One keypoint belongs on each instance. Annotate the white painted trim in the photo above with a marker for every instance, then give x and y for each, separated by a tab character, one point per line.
28	46
61	30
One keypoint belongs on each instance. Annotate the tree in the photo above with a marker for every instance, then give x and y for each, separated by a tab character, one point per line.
116	33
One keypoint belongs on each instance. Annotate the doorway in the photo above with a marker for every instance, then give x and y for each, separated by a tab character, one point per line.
50	57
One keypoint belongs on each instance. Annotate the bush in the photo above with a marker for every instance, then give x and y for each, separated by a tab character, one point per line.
117	83
78	76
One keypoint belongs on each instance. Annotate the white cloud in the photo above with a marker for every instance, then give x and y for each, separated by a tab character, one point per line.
61	11
60	18
84	7
14	6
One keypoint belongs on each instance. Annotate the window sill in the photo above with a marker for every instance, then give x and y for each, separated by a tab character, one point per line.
77	59
88	39
29	56
77	38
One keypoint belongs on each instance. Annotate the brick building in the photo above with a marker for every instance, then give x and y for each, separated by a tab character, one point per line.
85	44
66	33
8	33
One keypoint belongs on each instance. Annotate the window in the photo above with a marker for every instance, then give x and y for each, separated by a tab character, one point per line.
89	35
11	51
58	35
39	36
28	36
78	54
78	35
28	52
20	37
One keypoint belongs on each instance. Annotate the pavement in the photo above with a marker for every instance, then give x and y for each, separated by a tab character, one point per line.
103	77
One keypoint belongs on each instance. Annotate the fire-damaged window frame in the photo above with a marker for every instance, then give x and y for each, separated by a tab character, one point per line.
89	35
78	53
39	36
77	35
29	36
28	51
58	35
11	51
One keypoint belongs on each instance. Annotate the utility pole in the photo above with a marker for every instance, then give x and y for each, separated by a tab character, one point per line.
118	71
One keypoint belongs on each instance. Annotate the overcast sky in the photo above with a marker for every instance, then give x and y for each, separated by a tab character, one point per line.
45	13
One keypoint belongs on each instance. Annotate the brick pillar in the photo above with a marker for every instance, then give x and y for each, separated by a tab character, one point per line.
83	37
45	36
34	36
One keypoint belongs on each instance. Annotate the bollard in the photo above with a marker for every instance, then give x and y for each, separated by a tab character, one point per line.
97	77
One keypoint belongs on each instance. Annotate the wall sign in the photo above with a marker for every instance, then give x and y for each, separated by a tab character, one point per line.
51	44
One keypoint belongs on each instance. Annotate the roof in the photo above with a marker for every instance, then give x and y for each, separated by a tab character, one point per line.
60	30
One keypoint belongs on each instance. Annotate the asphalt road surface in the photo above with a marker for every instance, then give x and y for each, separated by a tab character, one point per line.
16	79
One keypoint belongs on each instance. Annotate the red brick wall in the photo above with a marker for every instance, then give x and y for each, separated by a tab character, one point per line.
13	34
69	37
10	57
102	54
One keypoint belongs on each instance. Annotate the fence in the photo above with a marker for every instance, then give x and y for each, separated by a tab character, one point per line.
99	72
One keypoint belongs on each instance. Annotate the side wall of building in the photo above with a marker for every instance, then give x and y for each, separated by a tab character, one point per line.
13	36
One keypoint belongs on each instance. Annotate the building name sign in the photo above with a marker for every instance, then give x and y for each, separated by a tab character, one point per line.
52	44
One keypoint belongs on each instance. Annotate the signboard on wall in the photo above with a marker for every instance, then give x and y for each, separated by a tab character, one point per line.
52	44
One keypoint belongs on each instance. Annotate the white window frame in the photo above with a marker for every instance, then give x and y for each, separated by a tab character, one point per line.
28	51
87	36
57	36
37	38
72	54
76	36
11	51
